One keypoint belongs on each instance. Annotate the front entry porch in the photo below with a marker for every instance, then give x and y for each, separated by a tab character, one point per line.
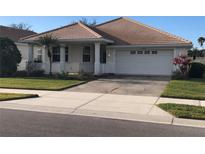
77	57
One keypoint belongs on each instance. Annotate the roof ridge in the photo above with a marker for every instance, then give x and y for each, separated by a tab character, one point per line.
89	29
49	31
109	21
158	30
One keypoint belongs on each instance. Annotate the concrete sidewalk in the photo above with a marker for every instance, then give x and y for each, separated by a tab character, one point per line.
127	107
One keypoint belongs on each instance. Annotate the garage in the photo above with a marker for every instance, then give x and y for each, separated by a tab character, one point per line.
149	62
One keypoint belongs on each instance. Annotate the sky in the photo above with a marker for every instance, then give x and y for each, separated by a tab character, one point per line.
189	27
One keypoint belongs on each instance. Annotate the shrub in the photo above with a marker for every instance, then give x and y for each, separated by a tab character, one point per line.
37	73
10	57
197	70
20	74
177	75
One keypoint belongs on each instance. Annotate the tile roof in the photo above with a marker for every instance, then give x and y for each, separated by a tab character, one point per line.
70	32
125	31
122	31
13	33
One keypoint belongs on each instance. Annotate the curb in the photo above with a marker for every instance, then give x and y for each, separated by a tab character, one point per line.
108	115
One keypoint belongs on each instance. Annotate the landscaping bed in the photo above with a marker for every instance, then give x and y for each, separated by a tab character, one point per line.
187	89
184	111
13	96
38	83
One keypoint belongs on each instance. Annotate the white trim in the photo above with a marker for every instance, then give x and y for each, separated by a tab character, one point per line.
150	46
76	40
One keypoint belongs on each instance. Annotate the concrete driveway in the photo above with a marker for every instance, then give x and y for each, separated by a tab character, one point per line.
125	85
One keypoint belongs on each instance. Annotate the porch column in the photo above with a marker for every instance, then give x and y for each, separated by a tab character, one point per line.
62	58
97	59
45	59
30	53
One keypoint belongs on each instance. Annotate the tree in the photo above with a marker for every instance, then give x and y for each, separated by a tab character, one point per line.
10	57
22	26
201	41
195	53
86	22
48	40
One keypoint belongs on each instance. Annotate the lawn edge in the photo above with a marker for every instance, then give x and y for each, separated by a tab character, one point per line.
175	116
59	89
23	97
165	96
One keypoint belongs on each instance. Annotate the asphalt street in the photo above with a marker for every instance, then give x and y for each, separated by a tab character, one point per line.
37	124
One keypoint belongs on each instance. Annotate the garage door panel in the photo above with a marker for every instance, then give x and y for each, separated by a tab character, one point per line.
159	64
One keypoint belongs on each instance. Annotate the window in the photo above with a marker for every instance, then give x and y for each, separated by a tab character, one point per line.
38	59
103	54
147	52
86	54
132	52
66	54
139	52
154	52
56	54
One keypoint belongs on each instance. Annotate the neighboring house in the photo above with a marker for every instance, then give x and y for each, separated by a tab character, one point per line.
15	34
120	46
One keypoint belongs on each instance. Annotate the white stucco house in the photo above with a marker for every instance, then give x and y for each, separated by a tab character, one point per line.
15	34
120	46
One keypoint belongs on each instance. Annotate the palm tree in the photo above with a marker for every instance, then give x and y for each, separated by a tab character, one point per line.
201	41
48	40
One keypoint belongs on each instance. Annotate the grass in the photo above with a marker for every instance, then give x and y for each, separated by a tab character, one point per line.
12	96
184	111
189	89
38	83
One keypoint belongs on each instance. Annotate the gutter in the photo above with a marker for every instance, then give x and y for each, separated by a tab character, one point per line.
151	46
74	40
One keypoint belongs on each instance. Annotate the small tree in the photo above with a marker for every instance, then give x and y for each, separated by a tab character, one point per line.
201	41
183	63
22	26
10	57
48	40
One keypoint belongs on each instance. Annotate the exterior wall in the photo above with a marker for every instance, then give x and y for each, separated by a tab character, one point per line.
75	62
23	48
110	66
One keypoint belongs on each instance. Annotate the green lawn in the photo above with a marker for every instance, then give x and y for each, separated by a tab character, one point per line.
184	111
12	96
190	89
37	83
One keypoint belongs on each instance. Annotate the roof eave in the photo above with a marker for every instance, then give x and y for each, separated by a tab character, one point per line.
75	40
185	45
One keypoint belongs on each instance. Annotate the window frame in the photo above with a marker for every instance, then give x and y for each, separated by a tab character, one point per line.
140	52
147	52
103	54
132	52
86	55
156	52
56	54
66	54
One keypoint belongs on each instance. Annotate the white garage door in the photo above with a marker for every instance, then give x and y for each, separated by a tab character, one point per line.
132	62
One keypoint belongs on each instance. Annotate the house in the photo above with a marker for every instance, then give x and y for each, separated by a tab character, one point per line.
15	34
119	46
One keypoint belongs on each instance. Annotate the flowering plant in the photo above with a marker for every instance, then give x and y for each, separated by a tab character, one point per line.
183	62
